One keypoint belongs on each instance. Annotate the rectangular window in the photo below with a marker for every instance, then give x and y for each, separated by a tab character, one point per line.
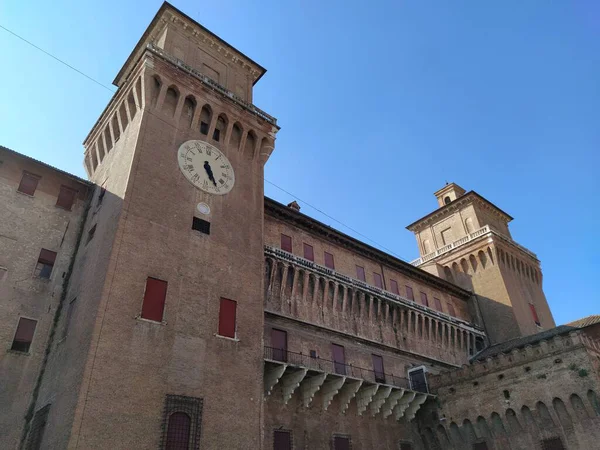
424	300
534	315
282	440
309	252
418	381
339	359
377	280
286	243
154	299
24	335
329	261
451	309
410	294
313	354
394	287
28	183
279	344
68	318
43	268
227	318
378	368
66	198
203	226
438	304
360	273
181	422
341	443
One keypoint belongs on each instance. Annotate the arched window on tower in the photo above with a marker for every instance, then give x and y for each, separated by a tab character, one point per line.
447	200
205	117
236	136
178	432
220	128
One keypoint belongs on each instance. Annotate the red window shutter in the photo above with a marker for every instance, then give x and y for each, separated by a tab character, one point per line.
394	287
451	309
534	314
47	257
28	183
378	281
309	252
424	300
360	273
438	304
154	299
286	243
66	197
341	443
282	440
329	261
410	294
24	334
227	318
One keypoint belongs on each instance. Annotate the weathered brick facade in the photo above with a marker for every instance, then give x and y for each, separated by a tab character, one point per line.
334	344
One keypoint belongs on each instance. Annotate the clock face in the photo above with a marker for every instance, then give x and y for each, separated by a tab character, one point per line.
206	167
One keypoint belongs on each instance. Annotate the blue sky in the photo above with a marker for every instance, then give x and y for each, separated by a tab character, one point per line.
380	104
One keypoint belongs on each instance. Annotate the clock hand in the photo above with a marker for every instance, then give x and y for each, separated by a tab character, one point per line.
209	172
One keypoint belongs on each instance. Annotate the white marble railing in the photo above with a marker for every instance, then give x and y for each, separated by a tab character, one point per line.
474	235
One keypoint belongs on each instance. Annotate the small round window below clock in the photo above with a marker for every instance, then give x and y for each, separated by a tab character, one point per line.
203	208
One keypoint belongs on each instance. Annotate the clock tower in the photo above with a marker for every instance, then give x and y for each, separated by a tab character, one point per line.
172	272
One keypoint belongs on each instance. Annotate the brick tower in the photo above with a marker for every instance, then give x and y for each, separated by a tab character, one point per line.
172	271
467	241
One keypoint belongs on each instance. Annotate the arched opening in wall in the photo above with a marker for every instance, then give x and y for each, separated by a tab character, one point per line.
205	118
468	432
156	85
513	422
236	136
562	413
497	425
250	144
443	436
455	268
483	430
482	258
430	439
528	419
544	417
220	128
300	286
490	255
94	160
594	402
512	263
290	281
100	146
473	262
448	274
578	407
115	128
178	431
138	91
469	225
131	104
453	337
123	116
268	269
447	200
108	139
420	325
464	265
426	247
188	111
501	253
170	103
455	435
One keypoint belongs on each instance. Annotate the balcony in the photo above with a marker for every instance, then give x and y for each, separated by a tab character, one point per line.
374	392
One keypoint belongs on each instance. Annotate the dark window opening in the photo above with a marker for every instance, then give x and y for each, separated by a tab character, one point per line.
91	234
329	261
201	225
480	446
66	198
282	440
182	417
506	394
203	128
24	335
279	344
313	354
360	273
154	299
447	200
377	280
394	287
339	359
178	432
479	343
227	319
309	252
418	380
405	446
286	243
341	443
43	268
216	134
410	294
378	369
552	444
28	183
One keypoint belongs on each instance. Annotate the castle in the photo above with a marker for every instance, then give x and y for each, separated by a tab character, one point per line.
165	303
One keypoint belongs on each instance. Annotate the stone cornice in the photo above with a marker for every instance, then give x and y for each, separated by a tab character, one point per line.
196	33
469	198
282	212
